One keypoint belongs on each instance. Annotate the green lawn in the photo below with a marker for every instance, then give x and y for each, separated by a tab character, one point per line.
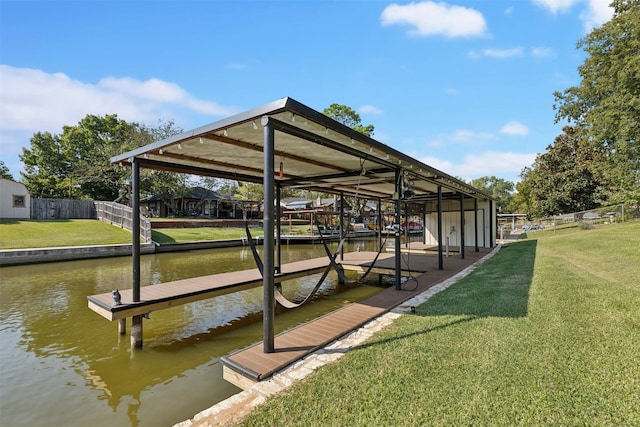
18	234
546	332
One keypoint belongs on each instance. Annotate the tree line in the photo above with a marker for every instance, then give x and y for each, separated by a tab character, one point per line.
594	162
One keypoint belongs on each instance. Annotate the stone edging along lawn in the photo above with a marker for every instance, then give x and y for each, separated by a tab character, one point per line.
236	407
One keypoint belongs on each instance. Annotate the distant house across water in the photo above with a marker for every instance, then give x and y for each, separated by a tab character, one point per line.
197	202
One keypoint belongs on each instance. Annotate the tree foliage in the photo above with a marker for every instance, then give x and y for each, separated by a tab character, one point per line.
75	164
605	107
348	117
560	180
499	188
4	171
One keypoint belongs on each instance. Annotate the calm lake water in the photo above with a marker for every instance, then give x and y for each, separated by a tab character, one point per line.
63	364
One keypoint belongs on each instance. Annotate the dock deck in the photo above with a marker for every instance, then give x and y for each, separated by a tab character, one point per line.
250	365
170	294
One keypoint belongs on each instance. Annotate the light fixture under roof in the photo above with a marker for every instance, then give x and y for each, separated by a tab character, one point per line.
201	140
179	146
160	151
255	126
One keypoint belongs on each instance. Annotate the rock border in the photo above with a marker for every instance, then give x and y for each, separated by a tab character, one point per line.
233	409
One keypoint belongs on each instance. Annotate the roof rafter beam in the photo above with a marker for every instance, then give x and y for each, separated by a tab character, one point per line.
278	153
347	174
169	167
217	163
320	140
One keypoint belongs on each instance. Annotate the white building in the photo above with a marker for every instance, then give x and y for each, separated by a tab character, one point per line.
15	202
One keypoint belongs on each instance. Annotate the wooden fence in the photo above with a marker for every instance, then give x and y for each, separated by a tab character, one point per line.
121	215
62	209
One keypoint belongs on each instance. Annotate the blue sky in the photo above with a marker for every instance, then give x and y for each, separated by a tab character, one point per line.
464	86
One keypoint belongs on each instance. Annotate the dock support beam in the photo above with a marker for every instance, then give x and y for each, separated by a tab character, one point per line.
380	225
136	321
268	313
440	261
492	225
475	221
397	248
462	225
278	267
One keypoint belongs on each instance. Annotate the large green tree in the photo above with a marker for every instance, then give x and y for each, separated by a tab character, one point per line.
605	107
75	164
499	188
560	180
348	117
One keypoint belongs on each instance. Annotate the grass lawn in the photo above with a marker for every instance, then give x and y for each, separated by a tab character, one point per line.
183	235
18	234
546	332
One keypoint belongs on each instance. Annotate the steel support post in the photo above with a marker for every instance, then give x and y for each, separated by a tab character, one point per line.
342	232
278	267
398	255
440	260
475	221
462	225
268	314
491	225
136	321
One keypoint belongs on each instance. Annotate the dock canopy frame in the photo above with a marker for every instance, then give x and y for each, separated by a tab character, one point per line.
287	144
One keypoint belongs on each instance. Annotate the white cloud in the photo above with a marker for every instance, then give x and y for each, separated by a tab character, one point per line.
429	19
595	12
507	165
34	100
598	12
542	52
556	6
370	109
514	128
498	53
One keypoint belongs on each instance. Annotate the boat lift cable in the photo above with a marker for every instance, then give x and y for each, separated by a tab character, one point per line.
411	276
332	261
339	268
278	287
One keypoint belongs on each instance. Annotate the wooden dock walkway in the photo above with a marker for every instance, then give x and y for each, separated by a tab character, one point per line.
250	365
170	294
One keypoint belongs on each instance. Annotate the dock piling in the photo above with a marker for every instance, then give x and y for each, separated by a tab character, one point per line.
136	332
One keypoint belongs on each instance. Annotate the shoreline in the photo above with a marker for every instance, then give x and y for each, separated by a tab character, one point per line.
234	409
14	257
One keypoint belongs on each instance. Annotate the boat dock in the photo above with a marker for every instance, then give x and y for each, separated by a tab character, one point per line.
251	365
171	294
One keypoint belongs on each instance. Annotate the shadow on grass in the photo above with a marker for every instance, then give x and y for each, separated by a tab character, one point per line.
498	288
160	237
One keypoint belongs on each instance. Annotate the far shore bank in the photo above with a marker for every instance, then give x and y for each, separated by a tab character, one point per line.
27	256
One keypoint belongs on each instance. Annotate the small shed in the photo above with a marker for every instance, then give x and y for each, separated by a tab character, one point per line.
15	201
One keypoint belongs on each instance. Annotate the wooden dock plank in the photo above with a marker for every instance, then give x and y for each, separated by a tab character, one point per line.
250	365
170	294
